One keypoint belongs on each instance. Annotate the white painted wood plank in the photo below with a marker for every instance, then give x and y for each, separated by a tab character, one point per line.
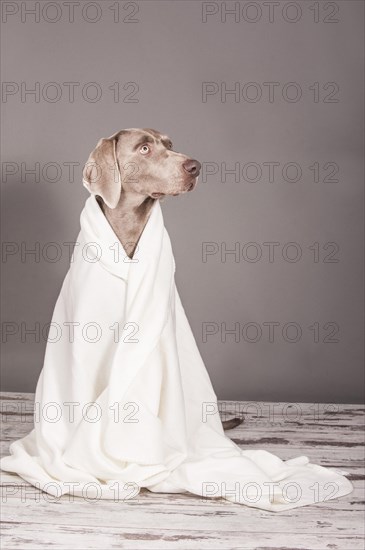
171	521
167	538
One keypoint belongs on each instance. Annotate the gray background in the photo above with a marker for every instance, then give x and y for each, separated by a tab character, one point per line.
169	52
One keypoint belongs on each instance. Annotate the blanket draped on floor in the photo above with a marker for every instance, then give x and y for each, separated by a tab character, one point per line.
124	400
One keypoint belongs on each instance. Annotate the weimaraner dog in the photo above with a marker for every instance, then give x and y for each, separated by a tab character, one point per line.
128	172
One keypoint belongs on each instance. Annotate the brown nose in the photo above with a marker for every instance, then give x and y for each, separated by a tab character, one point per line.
192	167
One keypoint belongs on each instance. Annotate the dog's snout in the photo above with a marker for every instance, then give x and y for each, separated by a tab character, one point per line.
192	167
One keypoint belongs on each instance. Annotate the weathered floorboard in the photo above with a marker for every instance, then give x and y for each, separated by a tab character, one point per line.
331	435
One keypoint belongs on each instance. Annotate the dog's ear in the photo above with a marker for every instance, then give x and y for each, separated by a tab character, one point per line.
101	174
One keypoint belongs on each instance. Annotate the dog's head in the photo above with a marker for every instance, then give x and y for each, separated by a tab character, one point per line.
138	161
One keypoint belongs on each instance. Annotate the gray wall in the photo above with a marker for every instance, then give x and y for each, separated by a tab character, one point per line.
168	52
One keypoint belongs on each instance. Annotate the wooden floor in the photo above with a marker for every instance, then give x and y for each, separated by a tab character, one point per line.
330	435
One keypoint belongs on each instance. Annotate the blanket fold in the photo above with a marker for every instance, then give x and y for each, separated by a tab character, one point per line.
125	400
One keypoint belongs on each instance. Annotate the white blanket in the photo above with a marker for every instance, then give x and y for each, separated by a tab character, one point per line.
124	400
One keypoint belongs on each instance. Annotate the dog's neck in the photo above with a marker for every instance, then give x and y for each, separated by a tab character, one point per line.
128	218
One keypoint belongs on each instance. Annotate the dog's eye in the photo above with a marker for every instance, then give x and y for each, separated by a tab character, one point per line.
170	145
144	149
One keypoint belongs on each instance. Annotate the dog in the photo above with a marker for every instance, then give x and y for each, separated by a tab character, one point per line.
128	172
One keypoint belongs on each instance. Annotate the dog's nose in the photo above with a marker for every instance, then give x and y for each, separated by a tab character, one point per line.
192	167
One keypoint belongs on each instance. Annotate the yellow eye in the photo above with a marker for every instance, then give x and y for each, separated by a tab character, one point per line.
144	149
